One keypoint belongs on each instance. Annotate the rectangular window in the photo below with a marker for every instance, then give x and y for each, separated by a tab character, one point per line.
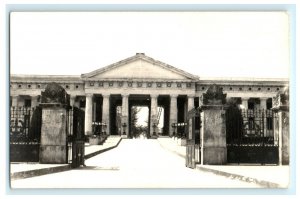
82	103
27	102
251	105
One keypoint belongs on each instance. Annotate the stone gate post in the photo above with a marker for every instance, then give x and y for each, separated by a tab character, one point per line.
55	102
214	151
281	126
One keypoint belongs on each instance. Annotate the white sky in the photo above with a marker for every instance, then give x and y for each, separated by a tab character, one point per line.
224	44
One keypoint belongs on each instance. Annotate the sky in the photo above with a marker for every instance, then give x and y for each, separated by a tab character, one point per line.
207	44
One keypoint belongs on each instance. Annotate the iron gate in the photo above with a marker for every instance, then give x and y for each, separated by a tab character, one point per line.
193	148
250	136
76	138
24	134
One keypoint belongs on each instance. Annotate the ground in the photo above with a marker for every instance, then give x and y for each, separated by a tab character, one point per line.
135	163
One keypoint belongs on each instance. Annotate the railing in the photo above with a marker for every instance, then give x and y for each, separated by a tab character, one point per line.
251	137
25	124
25	134
251	127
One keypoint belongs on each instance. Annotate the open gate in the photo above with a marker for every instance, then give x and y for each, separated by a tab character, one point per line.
76	138
250	136
193	138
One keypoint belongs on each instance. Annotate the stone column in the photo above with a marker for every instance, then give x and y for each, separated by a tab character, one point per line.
281	126
14	100
190	107
105	113
88	114
245	102
153	120
214	151
54	103
173	114
263	107
72	100
125	114
34	101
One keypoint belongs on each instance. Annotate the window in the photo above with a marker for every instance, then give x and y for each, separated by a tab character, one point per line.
168	84
39	86
120	84
140	84
91	83
100	84
251	105
82	103
110	83
158	85
129	84
67	86
179	85
76	86
188	85
29	86
149	84
27	102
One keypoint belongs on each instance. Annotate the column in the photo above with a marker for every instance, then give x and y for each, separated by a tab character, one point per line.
282	127
190	107
88	114
173	114
125	114
105	113
213	146
153	121
72	100
34	101
263	107
14	100
245	102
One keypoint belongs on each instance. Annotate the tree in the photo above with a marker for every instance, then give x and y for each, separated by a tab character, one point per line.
133	120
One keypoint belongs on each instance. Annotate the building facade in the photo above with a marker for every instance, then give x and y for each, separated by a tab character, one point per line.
142	81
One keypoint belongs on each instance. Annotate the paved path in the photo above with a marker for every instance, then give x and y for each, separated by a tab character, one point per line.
136	163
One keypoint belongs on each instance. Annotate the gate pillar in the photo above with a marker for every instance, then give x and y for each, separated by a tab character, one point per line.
55	103
281	126
214	129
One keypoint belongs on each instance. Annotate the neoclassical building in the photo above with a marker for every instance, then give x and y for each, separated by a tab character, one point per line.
141	81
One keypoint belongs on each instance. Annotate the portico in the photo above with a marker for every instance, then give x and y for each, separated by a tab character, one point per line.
123	84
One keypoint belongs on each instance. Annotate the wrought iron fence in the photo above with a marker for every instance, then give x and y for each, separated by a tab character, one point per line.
250	127
251	137
25	124
25	133
76	137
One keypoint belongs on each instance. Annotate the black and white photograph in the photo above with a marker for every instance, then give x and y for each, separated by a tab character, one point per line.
149	99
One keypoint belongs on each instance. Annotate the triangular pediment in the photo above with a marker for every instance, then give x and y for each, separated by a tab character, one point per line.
140	67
